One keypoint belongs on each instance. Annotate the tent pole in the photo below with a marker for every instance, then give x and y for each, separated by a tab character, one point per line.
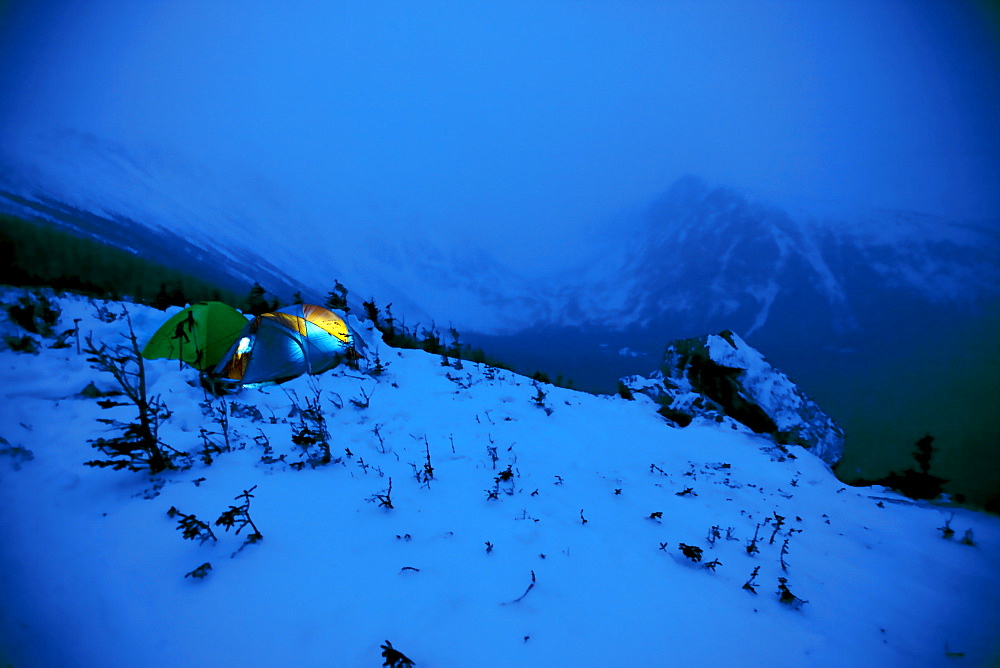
305	338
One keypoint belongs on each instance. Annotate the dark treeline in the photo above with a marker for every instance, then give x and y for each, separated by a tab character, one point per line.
396	334
42	254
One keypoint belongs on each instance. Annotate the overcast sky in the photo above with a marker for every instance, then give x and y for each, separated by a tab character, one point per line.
522	120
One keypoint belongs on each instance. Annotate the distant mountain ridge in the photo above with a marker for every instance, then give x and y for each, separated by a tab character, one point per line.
698	259
714	258
701	259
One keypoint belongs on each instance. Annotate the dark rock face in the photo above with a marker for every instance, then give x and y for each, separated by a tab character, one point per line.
719	383
722	379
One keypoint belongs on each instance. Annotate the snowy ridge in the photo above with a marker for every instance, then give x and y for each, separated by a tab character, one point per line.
550	532
781	399
722	379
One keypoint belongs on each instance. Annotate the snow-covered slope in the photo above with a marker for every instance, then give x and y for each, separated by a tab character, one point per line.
578	559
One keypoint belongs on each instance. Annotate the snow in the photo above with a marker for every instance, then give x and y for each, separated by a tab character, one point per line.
781	399
766	296
92	569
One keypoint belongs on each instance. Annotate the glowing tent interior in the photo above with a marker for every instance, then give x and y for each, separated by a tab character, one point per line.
277	346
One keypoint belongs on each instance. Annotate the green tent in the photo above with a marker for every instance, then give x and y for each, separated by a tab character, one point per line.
199	335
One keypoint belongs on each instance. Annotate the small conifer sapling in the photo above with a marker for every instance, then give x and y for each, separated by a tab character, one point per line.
779	521
692	552
191	527
384	499
311	434
238	518
786	596
137	448
428	471
946	531
200	572
539	399
752	548
394	658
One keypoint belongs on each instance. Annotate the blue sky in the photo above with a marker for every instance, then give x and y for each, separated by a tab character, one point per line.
519	125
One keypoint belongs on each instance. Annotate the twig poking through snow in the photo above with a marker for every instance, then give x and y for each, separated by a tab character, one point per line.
784	553
946	530
530	587
384	500
750	585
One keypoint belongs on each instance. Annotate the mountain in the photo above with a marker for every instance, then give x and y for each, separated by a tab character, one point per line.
710	256
465	517
888	319
702	259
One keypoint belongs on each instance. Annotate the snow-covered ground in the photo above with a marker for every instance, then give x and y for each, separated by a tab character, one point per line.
576	562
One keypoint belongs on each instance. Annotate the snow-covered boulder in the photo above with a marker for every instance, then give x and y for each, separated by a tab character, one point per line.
721	378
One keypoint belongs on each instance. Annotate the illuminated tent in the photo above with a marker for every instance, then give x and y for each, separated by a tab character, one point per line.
277	346
199	335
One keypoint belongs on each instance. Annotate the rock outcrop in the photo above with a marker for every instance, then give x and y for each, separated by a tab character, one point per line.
722	379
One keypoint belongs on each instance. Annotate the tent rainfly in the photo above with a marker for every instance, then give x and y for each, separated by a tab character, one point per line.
199	335
278	346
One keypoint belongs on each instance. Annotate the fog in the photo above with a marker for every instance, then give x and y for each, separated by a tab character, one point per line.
516	126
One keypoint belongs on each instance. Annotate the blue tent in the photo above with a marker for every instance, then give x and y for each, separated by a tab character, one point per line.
287	343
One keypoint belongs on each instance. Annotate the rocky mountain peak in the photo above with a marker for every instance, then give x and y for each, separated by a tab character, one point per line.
721	378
